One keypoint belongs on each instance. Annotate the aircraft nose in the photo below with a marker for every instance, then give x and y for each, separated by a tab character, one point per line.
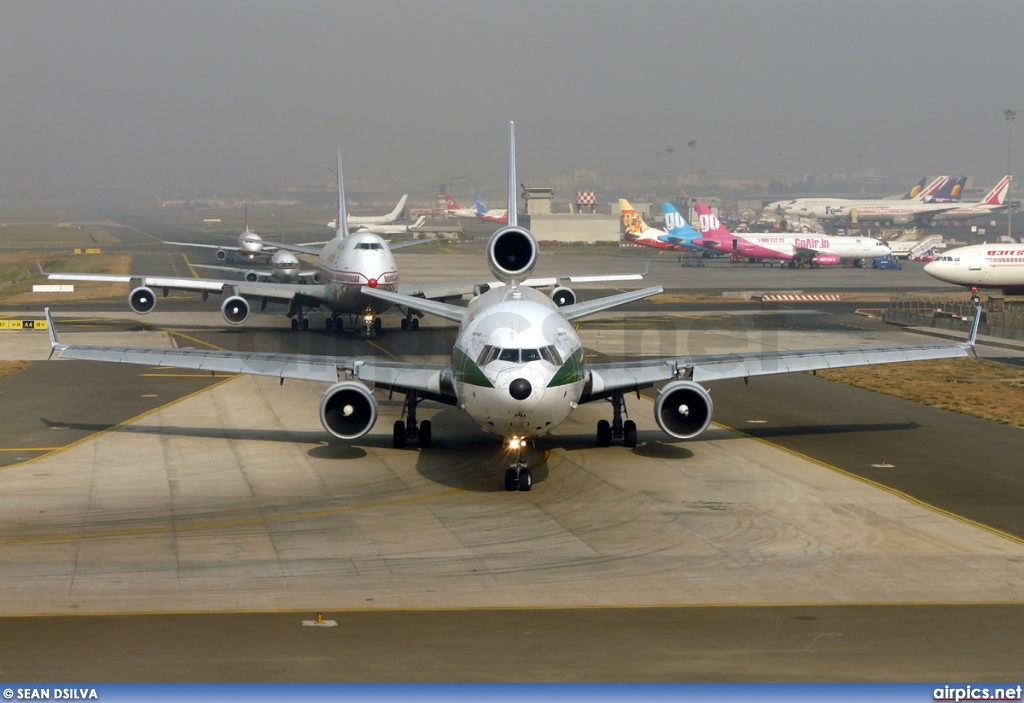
930	267
520	389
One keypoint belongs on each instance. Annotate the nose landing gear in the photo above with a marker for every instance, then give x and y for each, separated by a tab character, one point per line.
518	476
975	298
371	323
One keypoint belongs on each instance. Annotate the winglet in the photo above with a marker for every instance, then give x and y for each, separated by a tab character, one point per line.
54	344
974	329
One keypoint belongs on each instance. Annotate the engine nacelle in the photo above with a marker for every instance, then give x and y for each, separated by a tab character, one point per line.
235	310
825	260
902	220
142	300
317	278
348	410
512	254
222	255
251	276
683	409
563	296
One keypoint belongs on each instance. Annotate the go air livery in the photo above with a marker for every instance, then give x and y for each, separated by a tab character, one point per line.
517	368
812	250
637	231
999	266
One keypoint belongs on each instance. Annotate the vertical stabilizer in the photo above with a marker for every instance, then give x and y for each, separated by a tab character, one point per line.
342	231
997	196
245	214
709	224
915	190
932	188
676	225
512	209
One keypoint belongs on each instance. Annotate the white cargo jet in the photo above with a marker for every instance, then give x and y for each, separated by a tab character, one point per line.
517	368
357	222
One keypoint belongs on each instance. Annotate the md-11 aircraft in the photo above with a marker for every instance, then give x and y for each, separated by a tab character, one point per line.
517	366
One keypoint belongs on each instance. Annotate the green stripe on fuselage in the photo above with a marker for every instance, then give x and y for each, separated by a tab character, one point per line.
465	370
569	372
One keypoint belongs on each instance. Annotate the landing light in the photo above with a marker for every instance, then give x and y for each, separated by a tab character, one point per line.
515	443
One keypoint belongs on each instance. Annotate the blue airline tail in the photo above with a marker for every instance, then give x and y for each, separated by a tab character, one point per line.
481	206
678	229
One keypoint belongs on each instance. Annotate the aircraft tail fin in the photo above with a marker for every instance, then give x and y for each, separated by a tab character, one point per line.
915	190
479	204
676	225
419	222
708	223
932	188
450	201
632	221
513	213
997	196
396	214
342	222
245	214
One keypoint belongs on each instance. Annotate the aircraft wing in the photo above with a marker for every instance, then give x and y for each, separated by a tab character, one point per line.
431	379
434	307
578	310
297	248
410	243
645	373
267	248
233	269
274	291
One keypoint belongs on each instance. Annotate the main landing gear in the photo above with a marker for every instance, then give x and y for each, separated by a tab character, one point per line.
518	476
334	322
411	321
626	431
408	429
298	315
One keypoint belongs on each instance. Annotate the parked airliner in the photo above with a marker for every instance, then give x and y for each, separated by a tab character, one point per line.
517	368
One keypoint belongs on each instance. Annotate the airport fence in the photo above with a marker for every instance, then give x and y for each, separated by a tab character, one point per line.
998	313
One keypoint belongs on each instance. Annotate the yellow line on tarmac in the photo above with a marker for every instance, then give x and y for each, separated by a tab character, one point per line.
374	344
114	428
29	449
265	520
881	486
189	264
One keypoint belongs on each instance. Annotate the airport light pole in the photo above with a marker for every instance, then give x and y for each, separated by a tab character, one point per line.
1008	115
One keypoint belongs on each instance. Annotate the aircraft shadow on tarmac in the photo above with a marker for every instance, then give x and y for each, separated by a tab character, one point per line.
808	430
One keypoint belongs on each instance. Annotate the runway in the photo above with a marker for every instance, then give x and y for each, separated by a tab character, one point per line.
185	537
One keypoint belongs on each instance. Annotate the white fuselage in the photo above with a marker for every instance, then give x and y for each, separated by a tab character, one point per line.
285	266
394	229
347	264
843	209
513	334
981	266
844	247
249	242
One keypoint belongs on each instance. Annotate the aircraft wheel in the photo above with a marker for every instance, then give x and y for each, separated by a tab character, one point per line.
525	479
629	433
405	324
295	324
604	433
305	325
975	301
426	441
398	436
415	323
511	481
378	324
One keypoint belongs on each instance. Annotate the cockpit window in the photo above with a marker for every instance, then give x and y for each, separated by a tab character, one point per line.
491	353
368	246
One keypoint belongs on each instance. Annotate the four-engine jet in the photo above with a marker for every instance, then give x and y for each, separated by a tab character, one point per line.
517	367
979	266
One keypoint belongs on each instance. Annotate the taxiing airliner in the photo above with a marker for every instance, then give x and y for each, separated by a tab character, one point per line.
517	367
982	266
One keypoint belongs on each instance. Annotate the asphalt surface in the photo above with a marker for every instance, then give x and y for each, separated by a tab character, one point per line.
961	465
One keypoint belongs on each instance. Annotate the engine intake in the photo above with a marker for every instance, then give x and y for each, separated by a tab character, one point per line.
142	300
683	409
563	296
348	410
235	310
222	255
252	276
512	254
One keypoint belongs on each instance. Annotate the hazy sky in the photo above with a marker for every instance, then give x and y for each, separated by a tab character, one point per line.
230	94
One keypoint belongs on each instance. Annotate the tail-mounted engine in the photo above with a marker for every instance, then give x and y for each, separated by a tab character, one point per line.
348	410
683	409
563	296
512	254
235	310
142	300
